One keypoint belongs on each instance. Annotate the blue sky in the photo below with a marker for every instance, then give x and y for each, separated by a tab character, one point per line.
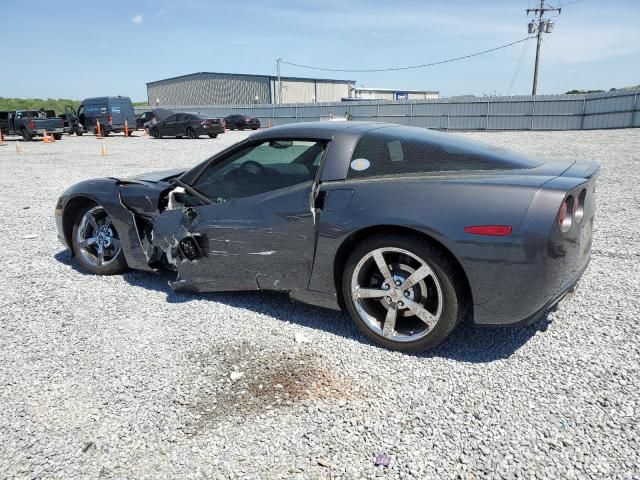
116	47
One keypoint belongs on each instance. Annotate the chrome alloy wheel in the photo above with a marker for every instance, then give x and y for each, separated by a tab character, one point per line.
396	294
97	239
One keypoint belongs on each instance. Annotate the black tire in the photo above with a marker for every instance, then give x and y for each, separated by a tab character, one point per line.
191	133
26	135
178	136
454	301
155	133
115	266
57	136
213	135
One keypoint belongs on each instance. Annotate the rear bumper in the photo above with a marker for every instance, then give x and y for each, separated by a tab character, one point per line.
565	293
213	130
42	131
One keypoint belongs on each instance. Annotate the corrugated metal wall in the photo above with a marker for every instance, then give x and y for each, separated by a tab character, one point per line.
221	88
543	112
210	89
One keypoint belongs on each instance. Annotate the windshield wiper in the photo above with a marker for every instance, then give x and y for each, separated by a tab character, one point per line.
192	191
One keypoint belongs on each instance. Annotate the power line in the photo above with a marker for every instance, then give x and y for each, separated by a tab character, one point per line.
410	67
525	49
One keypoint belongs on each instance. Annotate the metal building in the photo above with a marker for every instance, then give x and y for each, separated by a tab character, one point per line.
208	88
363	93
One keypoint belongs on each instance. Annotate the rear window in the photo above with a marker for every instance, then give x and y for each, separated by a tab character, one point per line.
401	150
121	106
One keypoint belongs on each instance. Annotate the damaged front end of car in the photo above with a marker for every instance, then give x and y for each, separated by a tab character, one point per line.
164	214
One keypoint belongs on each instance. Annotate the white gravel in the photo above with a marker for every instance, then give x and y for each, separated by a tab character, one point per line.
119	377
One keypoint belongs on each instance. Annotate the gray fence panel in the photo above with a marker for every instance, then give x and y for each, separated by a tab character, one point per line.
543	112
557	122
561	107
510	108
606	120
511	122
395	109
611	104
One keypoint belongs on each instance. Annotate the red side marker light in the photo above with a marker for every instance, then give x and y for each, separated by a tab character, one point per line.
494	230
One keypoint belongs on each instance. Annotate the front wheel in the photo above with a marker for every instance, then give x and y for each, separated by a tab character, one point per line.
213	135
96	243
402	292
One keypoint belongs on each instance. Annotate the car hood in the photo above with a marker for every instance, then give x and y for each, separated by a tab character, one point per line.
155	177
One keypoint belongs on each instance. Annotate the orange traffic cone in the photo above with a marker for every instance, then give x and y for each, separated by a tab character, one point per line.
126	128
103	149
98	128
45	138
1	138
52	139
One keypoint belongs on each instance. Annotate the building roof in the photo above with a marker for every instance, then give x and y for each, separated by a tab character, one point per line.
369	89
282	77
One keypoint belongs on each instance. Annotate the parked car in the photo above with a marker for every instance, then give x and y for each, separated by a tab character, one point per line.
31	123
111	112
409	230
240	122
156	114
190	125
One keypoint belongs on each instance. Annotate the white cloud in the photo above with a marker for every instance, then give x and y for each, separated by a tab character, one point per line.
137	19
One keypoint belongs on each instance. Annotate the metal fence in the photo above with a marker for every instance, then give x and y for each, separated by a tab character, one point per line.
542	112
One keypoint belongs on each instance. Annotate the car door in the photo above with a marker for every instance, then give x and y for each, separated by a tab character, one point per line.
168	126
182	123
259	232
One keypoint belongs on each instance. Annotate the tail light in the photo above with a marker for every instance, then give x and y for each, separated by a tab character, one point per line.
32	124
565	215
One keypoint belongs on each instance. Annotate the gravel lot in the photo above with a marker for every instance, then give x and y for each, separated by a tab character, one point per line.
119	377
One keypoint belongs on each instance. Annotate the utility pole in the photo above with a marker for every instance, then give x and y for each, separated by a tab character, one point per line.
279	99
540	26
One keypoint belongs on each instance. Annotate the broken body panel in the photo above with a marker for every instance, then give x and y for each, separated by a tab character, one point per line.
293	239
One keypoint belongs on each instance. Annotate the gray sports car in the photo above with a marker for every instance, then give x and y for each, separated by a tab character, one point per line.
407	229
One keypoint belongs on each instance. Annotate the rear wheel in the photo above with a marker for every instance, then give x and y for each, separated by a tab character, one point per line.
96	243
191	133
57	136
213	135
402	292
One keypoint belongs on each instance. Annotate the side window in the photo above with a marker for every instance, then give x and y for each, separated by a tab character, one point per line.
399	150
261	168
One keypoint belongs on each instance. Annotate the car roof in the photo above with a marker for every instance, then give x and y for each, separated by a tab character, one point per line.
321	130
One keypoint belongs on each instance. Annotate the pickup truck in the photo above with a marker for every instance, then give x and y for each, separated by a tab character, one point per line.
31	123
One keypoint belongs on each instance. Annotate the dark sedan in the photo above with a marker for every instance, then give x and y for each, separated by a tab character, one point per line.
409	230
190	125
241	122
